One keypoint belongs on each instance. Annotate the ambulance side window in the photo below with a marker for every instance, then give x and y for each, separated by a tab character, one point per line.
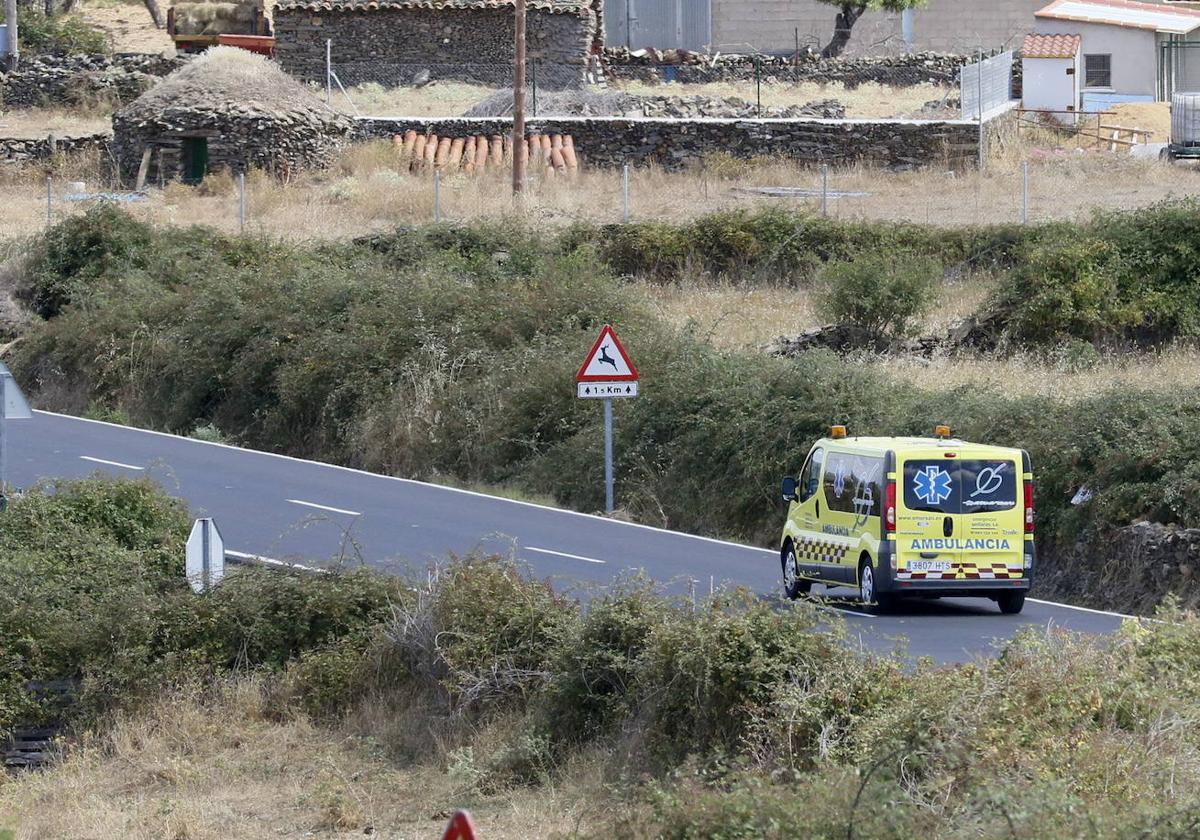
811	480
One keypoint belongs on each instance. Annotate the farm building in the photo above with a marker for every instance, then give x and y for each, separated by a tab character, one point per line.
1128	51
404	41
1051	71
229	109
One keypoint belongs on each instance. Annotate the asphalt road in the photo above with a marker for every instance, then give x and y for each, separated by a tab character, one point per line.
283	508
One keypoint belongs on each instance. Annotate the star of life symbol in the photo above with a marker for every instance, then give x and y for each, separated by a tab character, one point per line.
932	485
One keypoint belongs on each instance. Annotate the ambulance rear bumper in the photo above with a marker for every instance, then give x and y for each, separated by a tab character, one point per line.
888	581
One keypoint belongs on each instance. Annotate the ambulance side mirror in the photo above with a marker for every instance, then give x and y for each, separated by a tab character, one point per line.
789	489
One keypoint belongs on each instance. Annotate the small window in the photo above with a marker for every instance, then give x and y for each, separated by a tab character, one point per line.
1097	70
812	475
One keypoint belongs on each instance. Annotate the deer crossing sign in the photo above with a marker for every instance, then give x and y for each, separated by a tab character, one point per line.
607	372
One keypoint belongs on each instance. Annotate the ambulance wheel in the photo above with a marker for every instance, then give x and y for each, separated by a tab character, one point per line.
1011	602
871	598
793	585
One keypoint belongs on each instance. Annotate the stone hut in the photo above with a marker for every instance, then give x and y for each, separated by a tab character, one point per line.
402	42
226	109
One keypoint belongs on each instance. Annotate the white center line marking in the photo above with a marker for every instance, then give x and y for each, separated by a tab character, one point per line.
325	507
564	554
110	463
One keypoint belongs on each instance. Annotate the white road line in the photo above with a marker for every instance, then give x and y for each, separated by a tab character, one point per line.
110	463
271	561
324	507
442	487
1084	609
564	554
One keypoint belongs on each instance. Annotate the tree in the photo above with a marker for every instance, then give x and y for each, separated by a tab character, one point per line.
849	11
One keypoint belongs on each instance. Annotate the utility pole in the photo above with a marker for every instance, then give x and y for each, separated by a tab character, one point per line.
518	128
10	20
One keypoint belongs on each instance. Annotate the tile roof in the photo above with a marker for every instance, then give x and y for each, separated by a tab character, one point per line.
1051	46
1174	20
553	6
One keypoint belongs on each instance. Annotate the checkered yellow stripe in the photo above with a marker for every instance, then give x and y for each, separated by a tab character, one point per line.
809	550
968	571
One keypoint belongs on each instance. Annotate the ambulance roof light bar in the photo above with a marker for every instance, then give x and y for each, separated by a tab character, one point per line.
837	432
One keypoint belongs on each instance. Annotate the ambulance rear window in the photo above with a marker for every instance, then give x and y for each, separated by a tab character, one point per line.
960	486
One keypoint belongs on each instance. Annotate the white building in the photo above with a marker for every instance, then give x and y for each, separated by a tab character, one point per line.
1128	52
1052	70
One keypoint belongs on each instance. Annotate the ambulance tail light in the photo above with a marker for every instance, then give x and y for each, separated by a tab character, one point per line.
889	506
1029	507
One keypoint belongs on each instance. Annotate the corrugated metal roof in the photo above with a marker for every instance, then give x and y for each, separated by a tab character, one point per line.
1051	46
1157	18
554	6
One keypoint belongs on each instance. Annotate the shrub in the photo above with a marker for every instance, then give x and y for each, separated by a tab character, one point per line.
59	35
884	296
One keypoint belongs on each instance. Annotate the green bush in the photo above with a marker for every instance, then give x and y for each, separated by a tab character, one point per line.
59	35
883	295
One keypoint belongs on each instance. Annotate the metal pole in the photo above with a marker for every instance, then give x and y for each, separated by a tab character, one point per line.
14	43
1025	194
825	189
534	66
437	195
625	193
328	69
3	447
758	83
518	129
242	202
980	107
49	204
608	457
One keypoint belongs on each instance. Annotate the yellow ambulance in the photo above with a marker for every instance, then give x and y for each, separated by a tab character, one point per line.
923	517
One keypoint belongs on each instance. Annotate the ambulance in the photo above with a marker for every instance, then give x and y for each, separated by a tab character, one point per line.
921	517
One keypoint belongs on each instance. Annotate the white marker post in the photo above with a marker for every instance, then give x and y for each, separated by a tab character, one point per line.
12	407
607	374
205	564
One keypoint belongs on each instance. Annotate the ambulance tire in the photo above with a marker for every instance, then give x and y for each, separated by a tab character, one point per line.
1011	603
872	599
796	586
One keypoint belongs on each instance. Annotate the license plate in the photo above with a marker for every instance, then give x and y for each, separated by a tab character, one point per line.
929	565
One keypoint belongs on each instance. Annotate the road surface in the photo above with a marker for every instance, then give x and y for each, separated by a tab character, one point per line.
278	507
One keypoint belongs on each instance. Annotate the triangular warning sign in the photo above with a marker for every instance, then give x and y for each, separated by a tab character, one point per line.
607	361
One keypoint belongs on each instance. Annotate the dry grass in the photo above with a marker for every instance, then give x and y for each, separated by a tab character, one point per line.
38	122
224	768
127	25
370	189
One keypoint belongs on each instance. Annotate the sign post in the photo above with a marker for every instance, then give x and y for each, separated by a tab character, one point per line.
205	565
607	373
12	407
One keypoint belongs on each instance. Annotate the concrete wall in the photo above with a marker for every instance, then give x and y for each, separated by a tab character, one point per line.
1048	85
958	26
1134	53
392	46
676	143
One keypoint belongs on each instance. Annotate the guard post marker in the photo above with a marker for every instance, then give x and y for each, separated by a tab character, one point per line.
607	373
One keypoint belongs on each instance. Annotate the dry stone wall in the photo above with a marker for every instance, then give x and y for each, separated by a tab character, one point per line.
400	46
676	143
71	80
16	150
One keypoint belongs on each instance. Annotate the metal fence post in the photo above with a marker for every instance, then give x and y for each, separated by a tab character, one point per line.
533	68
979	106
328	69
241	202
758	84
1025	193
49	205
625	193
825	189
437	195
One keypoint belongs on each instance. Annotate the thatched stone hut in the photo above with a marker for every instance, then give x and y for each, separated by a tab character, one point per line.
226	109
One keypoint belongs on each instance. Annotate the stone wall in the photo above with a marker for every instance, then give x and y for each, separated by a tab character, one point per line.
72	80
400	46
685	67
1130	569
676	143
26	150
